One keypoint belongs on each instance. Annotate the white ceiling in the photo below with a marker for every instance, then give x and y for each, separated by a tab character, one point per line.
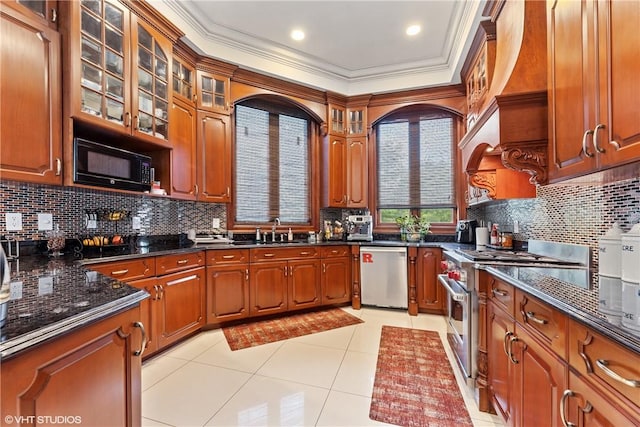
351	47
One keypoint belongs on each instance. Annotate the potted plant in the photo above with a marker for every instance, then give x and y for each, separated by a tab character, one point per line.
412	227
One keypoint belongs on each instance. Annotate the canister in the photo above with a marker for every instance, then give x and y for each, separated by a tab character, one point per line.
610	298
630	250
631	307
609	252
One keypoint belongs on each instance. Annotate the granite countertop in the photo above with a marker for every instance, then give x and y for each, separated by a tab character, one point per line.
562	296
50	297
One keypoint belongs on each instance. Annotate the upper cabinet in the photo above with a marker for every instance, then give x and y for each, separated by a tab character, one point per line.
119	70
46	11
479	70
31	106
594	118
213	92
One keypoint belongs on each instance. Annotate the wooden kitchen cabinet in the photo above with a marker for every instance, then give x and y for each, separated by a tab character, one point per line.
31	103
500	328
304	284
268	287
213	92
227	285
347	172
119	69
92	374
431	295
594	120
336	275
46	11
214	157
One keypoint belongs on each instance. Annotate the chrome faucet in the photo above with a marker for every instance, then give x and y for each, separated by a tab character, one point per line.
276	222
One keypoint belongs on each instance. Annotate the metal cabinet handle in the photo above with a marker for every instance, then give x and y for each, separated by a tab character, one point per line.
603	364
127	119
596	144
563	406
585	149
285	271
304	253
507	335
161	288
269	255
182	261
58	166
54	15
120	272
143	345
499	292
324	267
246	274
195	189
532	316
136	120
228	256
511	341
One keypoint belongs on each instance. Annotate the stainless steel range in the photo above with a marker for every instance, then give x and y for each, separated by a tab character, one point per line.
460	277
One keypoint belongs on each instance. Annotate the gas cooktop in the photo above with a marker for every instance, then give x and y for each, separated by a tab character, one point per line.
510	256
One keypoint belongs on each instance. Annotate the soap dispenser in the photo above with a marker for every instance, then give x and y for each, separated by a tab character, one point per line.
290	235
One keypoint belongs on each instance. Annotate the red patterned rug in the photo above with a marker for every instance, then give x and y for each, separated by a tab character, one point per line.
270	330
414	383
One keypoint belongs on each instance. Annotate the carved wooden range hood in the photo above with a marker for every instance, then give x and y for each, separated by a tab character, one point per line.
504	151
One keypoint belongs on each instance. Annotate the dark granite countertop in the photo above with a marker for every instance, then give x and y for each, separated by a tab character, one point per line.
50	297
562	296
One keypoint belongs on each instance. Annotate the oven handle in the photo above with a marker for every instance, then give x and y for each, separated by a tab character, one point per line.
443	279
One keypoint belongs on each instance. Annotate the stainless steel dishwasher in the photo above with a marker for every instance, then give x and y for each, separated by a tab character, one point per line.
383	276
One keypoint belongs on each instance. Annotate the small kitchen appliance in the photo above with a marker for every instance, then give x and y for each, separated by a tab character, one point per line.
360	228
466	231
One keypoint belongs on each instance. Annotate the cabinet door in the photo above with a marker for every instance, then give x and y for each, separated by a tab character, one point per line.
356	118
304	284
431	295
539	381
336	280
268	288
500	330
571	91
336	186
584	405
90	374
214	157
213	92
30	105
148	315
357	172
181	305
337	117
183	154
619	44
45	11
227	293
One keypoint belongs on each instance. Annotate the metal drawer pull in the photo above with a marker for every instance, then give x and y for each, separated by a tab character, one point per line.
602	364
584	143
596	143
304	253
143	345
269	255
120	272
246	274
228	256
499	292
532	316
507	335
182	261
563	405
511	341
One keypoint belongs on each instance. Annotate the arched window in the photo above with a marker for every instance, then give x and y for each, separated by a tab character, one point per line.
272	163
415	166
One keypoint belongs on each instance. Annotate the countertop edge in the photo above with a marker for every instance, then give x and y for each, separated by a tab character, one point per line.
599	325
14	346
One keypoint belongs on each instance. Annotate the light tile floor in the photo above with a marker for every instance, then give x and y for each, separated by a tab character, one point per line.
324	379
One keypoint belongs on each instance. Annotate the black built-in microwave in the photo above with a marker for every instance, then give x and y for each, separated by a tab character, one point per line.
111	167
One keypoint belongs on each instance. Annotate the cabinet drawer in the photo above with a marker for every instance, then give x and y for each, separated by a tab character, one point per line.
546	323
606	363
335	251
227	256
126	271
170	263
502	294
270	254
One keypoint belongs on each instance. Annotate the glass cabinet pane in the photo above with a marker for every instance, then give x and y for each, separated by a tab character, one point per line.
337	120
182	79
114	17
356	121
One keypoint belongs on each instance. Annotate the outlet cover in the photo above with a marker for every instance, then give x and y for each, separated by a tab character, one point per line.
215	223
13	221
45	221
135	223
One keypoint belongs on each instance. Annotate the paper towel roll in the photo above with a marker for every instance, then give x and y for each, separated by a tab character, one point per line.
482	237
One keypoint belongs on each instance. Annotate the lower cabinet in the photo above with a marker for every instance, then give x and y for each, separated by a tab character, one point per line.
268	288
431	295
91	376
227	293
303	281
336	275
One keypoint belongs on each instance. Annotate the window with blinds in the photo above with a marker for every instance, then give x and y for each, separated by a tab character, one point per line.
272	164
415	167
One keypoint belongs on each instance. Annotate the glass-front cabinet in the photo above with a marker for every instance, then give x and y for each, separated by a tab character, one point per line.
357	123
120	69
182	80
213	92
337	117
44	10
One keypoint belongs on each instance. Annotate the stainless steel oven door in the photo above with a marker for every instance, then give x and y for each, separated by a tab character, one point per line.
459	323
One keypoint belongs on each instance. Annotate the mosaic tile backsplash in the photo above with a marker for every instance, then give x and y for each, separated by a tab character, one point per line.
571	214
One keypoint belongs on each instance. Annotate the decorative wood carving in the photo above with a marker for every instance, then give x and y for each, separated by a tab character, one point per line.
530	158
582	344
484	180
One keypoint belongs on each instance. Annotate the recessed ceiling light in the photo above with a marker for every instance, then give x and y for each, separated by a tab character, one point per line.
297	35
412	30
